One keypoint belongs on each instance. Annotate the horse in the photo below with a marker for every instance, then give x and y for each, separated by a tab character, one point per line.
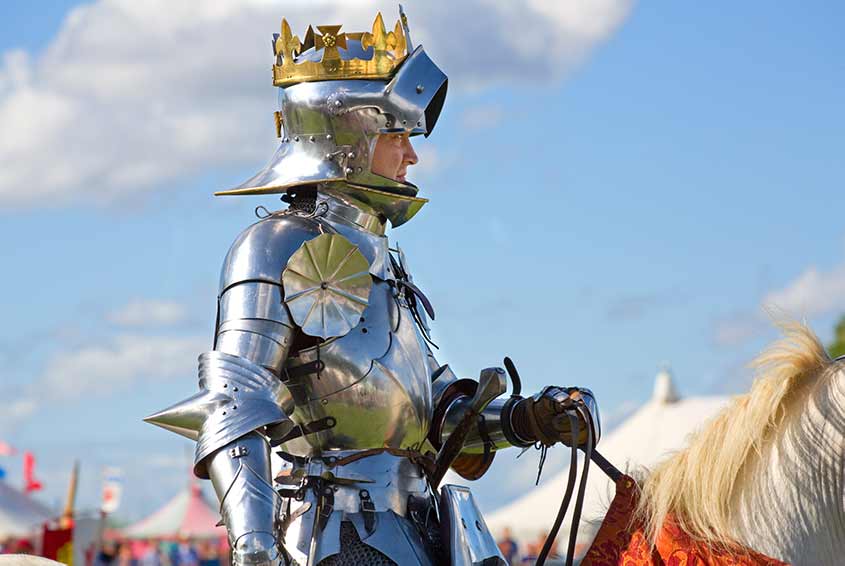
767	473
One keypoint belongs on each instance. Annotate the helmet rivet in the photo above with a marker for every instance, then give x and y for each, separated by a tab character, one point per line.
338	103
349	170
328	136
296	138
419	123
287	140
329	157
350	155
404	122
312	139
420	89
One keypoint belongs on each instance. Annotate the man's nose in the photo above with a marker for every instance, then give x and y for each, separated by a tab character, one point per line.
410	156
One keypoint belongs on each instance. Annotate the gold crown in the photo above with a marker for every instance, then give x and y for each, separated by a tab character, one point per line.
389	50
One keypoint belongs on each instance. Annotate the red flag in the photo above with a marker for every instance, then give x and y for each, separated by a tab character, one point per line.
7	449
30	483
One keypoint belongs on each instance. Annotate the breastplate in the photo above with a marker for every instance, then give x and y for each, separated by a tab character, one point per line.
374	380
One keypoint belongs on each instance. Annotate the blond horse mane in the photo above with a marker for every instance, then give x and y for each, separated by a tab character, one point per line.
696	486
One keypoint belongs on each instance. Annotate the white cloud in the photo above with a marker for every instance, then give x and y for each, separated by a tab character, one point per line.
812	293
101	370
738	328
148	312
132	95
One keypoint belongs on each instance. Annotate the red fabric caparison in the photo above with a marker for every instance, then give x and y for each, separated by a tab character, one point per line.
619	543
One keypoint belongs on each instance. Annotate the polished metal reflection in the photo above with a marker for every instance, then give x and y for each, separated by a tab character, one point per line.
389	482
470	541
331	128
249	505
236	397
327	286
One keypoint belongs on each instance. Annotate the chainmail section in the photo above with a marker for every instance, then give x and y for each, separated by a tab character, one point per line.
303	200
353	552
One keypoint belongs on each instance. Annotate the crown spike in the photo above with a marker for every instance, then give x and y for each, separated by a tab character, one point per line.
308	42
287	45
400	47
390	48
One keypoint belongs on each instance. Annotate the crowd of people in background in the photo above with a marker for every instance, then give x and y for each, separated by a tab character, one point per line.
183	552
516	555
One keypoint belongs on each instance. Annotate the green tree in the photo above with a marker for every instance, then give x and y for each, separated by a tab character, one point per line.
837	347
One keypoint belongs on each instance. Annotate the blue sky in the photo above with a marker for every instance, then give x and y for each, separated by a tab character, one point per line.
625	193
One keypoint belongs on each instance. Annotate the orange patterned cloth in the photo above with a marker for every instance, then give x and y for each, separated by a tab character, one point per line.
618	543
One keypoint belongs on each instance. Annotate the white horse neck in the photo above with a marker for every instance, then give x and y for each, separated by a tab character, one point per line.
792	505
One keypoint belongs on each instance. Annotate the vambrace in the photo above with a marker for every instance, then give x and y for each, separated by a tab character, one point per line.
240	473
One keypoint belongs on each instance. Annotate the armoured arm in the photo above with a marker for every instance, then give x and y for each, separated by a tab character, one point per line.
242	401
512	421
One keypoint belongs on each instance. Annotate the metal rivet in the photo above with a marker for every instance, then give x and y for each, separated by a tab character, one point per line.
360	169
419	123
312	139
362	319
404	122
234	389
387	91
350	155
329	157
338	103
364	330
463	523
225	385
234	407
420	89
349	170
286	140
224	413
324	285
477	525
325	401
296	139
328	136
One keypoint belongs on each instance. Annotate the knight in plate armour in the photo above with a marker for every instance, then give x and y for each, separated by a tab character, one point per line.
321	351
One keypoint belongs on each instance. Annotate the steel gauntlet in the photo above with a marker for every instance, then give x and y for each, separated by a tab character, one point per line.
545	417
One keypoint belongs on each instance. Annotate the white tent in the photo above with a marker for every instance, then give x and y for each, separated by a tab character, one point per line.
655	430
20	514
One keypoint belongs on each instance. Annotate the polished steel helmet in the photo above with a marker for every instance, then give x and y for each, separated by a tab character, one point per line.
338	92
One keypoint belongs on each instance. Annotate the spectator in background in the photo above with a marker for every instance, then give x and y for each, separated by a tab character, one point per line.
124	556
508	547
209	554
151	555
534	548
106	554
184	554
23	546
